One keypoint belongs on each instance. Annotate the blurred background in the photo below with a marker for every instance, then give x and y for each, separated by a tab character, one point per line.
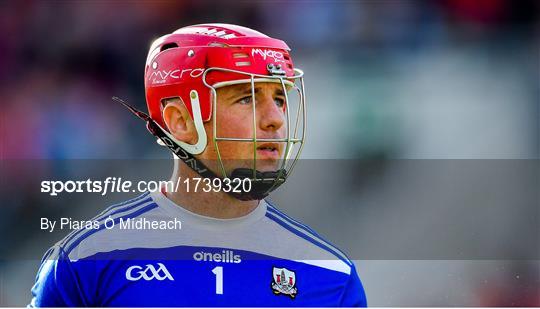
433	108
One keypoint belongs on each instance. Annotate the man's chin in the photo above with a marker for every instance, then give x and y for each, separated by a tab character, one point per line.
260	166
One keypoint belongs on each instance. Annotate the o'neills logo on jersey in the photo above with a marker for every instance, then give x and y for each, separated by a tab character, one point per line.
265	53
226	256
148	273
161	76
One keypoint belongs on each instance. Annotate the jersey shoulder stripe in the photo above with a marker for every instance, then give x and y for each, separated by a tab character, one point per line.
308	230
125	203
272	208
105	214
135	213
307	236
130	211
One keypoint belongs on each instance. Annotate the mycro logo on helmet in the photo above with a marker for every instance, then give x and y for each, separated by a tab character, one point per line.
226	256
136	272
264	53
159	77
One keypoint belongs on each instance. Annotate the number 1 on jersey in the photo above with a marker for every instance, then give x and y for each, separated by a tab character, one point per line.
218	271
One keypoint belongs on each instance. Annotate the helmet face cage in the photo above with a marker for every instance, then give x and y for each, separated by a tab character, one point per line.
294	140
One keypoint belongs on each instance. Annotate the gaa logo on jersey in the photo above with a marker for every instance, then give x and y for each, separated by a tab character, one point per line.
284	282
148	273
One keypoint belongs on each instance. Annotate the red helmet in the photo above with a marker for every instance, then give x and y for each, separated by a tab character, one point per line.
192	62
176	62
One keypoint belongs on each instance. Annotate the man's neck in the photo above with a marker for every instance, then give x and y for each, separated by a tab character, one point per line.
218	205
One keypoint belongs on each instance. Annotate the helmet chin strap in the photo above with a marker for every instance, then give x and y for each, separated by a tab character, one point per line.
261	186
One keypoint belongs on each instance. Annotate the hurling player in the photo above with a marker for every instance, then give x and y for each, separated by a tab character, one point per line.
220	98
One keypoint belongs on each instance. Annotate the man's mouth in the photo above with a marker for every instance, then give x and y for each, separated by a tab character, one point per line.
268	151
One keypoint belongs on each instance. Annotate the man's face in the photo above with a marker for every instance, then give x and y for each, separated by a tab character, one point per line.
234	119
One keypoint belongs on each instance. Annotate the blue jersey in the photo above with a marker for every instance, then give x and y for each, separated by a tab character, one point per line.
151	252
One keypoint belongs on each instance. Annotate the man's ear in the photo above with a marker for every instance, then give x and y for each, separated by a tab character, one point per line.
179	122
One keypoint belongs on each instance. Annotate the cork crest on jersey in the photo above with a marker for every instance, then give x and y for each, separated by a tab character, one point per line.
284	282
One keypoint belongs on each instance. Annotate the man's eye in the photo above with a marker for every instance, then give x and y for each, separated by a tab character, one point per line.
244	100
279	102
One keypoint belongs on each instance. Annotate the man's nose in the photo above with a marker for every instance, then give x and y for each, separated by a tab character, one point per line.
270	116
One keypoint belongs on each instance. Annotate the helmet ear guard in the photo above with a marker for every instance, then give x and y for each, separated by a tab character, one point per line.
198	147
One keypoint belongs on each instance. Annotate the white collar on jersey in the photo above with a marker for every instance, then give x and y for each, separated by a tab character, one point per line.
188	217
